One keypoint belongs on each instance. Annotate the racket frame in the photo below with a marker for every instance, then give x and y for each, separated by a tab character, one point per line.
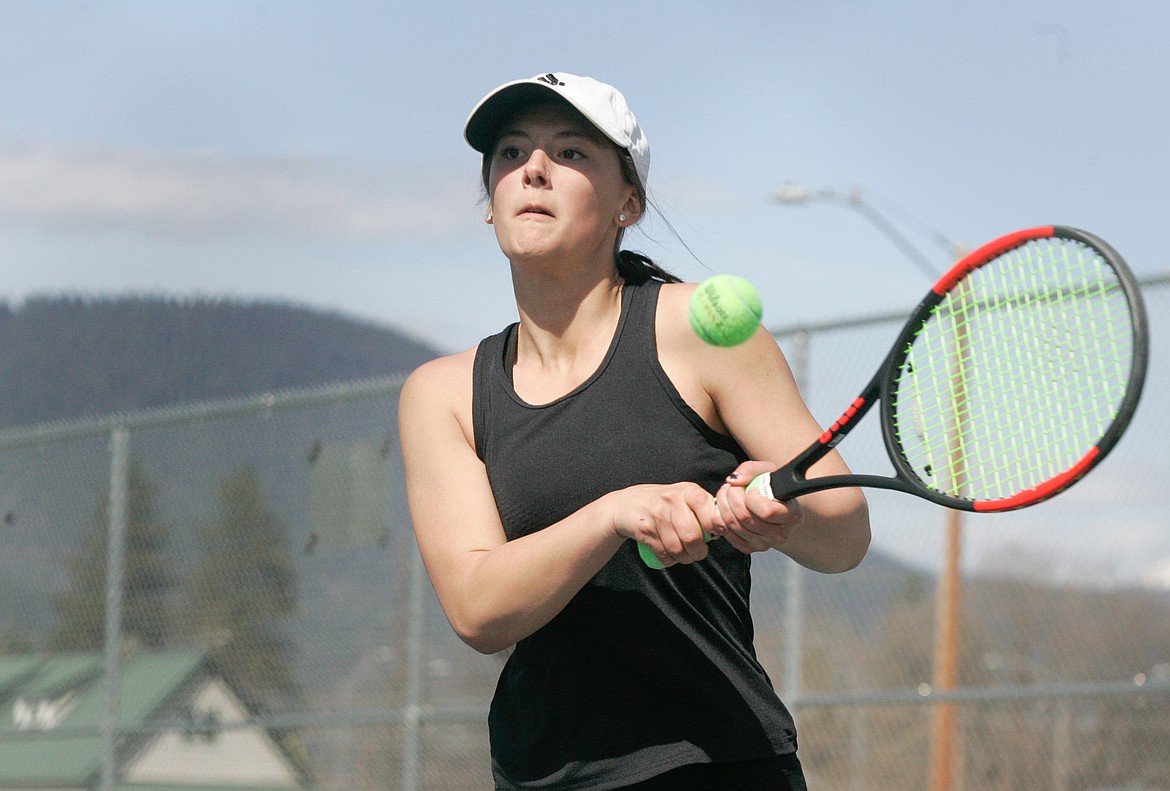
790	480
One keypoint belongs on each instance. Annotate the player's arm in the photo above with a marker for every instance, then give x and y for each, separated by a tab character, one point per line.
749	392
834	534
493	591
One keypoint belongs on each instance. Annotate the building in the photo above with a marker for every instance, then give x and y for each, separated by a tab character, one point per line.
183	726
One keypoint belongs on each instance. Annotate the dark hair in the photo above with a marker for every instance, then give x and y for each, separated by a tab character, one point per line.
634	268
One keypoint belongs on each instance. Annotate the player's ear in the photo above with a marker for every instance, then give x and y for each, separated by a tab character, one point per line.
631	210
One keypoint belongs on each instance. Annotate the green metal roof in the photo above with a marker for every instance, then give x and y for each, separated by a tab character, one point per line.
159	787
69	752
14	670
63	673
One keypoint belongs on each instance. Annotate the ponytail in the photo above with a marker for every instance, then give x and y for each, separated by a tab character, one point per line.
636	269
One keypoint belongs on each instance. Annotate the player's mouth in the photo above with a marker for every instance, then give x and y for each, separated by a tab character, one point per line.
535	209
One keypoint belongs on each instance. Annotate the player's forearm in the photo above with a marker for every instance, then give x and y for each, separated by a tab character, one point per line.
507	592
834	534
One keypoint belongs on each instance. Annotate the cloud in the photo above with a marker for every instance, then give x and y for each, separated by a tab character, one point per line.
202	195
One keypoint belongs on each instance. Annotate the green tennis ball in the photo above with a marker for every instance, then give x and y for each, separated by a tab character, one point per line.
725	310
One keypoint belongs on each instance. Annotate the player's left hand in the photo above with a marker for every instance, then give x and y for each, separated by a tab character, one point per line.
748	520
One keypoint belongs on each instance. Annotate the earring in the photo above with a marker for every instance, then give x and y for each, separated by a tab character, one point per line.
621	218
488	218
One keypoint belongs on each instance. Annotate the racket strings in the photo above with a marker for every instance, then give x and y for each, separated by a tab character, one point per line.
1016	374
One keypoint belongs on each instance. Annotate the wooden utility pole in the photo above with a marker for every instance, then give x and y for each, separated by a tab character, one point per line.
943	736
944	742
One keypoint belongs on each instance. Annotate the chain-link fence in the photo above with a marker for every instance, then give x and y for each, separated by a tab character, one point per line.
270	624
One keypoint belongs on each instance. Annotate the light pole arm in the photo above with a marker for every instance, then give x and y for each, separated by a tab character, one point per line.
895	236
794	195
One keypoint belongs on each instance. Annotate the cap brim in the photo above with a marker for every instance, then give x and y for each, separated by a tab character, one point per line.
484	121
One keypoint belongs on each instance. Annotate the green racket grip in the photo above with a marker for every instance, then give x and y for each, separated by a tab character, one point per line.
651	560
761	484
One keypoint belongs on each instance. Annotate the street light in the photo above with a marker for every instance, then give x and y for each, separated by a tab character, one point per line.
947	615
792	194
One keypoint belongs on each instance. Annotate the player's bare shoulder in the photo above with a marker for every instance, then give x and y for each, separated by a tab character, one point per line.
442	385
682	355
672	327
678	343
444	369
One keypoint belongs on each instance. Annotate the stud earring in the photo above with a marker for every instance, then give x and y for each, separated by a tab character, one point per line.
488	218
621	218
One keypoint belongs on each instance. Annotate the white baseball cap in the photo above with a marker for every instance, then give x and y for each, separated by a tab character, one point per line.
603	105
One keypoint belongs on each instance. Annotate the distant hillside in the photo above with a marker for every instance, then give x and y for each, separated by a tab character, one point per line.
66	357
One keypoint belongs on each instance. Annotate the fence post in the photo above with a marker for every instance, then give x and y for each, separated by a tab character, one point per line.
115	568
416	634
794	606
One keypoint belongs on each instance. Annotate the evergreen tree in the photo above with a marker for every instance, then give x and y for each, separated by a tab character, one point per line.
245	585
147	577
14	640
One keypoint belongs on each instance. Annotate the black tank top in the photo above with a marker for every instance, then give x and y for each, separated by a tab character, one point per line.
643	670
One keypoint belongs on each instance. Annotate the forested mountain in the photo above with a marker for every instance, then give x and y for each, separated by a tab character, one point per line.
214	564
69	357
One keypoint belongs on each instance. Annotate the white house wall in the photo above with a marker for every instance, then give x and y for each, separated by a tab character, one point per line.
233	756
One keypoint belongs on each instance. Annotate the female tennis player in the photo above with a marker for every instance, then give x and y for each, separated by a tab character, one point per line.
537	459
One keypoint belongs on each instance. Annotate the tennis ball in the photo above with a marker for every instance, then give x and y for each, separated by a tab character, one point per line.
725	310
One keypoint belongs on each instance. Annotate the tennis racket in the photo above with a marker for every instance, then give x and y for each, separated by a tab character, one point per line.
1014	377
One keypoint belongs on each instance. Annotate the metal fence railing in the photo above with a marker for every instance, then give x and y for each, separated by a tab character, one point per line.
267	609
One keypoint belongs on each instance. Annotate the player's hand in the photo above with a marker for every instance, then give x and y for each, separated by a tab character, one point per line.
670	519
748	520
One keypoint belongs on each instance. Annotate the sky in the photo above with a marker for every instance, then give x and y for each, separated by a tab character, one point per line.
311	153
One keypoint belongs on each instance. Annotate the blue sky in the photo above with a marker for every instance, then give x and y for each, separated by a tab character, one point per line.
311	153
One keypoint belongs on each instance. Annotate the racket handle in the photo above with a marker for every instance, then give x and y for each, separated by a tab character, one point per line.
761	484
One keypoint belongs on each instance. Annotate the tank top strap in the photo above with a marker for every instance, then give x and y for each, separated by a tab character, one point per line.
489	363
639	312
